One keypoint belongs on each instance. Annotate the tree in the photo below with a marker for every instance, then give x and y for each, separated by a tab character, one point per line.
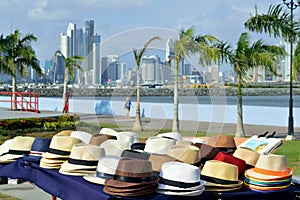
16	55
137	126
186	45
70	63
242	59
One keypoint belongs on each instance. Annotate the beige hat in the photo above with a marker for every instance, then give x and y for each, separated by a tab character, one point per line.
126	139
113	147
61	146
248	155
85	137
220	175
83	159
185	153
109	131
157	160
171	135
64	132
158	145
222	141
17	147
270	167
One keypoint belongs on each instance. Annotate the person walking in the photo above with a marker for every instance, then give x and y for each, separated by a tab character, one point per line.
127	106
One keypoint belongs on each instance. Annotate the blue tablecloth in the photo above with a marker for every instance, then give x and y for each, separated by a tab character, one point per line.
76	188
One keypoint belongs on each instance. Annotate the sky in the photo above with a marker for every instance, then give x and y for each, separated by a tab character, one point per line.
127	24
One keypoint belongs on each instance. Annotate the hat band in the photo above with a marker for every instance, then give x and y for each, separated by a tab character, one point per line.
59	152
35	153
217	180
133	179
103	175
178	183
17	152
83	162
271	172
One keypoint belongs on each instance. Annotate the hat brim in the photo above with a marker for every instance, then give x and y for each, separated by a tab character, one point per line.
52	155
181	193
264	188
135	193
9	158
252	174
169	187
211	184
50	166
75	173
68	166
222	189
94	179
52	161
121	184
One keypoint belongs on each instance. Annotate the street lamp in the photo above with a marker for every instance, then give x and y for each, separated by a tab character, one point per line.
292	6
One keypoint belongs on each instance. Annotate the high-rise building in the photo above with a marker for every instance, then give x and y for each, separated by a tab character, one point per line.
71	33
96	59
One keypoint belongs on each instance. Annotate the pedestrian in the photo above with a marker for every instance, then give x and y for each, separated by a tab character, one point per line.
127	106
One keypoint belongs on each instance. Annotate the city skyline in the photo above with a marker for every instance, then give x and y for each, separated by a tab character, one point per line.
48	19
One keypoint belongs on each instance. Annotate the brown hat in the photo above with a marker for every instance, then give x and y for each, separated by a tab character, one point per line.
98	139
132	173
222	141
157	160
207	152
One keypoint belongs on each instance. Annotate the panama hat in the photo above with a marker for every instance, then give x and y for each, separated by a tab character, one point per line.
207	152
127	138
64	132
185	182
109	131
39	146
228	158
171	135
158	145
61	146
98	139
220	176
18	146
270	167
85	137
132	177
185	153
112	147
157	160
222	142
83	159
4	148
248	155
106	168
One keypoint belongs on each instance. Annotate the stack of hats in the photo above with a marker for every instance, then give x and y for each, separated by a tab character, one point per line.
59	151
17	147
222	142
106	168
83	160
220	176
133	177
269	174
180	179
39	146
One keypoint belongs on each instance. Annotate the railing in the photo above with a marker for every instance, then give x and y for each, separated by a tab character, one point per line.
25	101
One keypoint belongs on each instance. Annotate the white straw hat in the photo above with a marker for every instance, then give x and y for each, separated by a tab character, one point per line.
112	147
171	135
158	145
85	137
126	138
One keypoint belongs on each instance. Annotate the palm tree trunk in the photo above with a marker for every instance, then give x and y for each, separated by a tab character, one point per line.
239	125
14	96
65	90
175	127
137	126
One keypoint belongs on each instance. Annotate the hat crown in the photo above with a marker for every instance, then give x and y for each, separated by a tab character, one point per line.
108	164
158	145
183	172
134	168
127	138
86	152
222	141
64	143
83	136
40	144
171	135
220	170
248	155
22	143
112	147
108	131
185	153
272	162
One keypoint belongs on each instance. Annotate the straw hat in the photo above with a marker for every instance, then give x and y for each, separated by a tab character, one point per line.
171	135
109	131
18	146
248	155
220	176
60	147
158	145
228	158
64	132
98	139
112	147
127	138
85	137
4	148
186	181
106	168
270	167
157	160
185	153
133	177
83	159
39	146
222	141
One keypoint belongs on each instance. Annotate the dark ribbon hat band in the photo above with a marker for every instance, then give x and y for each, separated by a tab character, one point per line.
134	179
217	180
83	162
17	152
178	183
103	175
59	152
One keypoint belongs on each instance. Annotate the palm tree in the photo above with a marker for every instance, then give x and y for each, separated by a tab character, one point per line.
137	126
16	55
242	59
186	45
70	63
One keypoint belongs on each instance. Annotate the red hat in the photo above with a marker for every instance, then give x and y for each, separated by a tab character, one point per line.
228	158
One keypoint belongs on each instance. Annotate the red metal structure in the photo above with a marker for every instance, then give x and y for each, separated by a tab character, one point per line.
66	108
26	101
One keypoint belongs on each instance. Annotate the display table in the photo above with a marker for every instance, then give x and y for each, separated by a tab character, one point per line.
76	188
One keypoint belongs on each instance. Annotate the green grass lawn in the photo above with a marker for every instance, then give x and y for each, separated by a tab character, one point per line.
7	197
